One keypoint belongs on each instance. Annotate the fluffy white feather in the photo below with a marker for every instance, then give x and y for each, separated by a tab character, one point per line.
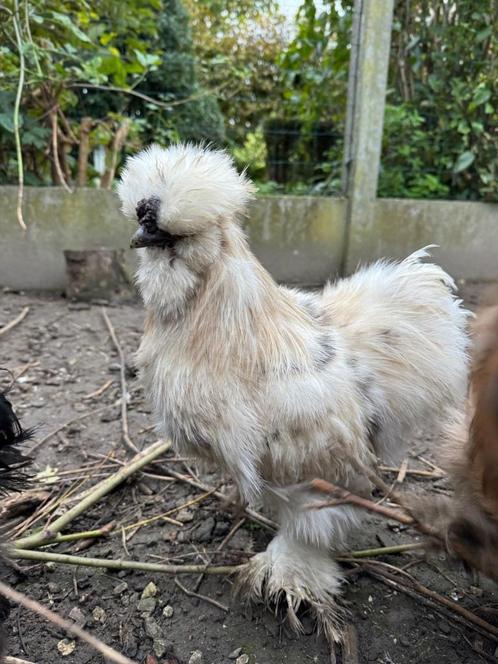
277	386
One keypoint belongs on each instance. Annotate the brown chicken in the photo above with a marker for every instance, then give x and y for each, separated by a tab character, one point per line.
468	520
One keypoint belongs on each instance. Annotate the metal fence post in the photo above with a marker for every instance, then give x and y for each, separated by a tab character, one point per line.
368	68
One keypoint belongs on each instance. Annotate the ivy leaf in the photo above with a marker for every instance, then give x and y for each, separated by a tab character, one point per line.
483	34
481	96
463	161
66	22
7	122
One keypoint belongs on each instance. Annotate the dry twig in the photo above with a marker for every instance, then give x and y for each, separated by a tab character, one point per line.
204	598
418	591
99	392
15	321
64	559
413	471
70	628
124	390
101	489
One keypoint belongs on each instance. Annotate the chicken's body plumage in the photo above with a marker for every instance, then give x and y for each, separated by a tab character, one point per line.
278	386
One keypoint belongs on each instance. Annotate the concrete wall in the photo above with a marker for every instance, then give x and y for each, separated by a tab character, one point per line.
299	239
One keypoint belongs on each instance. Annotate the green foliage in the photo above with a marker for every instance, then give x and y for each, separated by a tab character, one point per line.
199	119
238	46
441	116
87	61
444	71
406	151
315	63
252	154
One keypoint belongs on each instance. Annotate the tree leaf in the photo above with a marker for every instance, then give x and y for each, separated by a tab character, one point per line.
463	161
66	22
7	122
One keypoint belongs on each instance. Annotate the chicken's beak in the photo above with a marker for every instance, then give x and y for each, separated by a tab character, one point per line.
147	238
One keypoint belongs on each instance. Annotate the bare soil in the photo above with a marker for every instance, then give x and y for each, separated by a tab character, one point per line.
75	357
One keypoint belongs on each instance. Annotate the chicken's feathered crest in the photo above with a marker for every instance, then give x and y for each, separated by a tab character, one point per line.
195	185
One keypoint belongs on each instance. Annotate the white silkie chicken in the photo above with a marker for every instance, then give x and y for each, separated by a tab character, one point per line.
277	386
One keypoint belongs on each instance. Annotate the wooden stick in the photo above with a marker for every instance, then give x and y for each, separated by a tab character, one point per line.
416	589
15	660
84	534
16	321
67	626
358	501
101	489
124	390
413	471
64	559
204	598
99	392
382	551
350	645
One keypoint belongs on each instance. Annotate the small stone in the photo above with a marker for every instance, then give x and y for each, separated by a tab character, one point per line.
147	605
184	516
66	647
221	528
182	536
109	417
168	611
243	659
161	647
99	615
152	629
196	657
235	653
120	588
52	587
114	367
444	627
203	532
150	590
78	616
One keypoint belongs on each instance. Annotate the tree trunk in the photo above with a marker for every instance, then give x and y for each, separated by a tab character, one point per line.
116	147
97	273
84	151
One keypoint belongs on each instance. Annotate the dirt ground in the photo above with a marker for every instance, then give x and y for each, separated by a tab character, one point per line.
75	357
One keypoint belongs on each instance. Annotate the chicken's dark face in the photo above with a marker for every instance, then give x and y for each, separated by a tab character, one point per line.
149	234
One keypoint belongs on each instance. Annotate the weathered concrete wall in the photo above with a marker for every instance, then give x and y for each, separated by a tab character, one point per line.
299	239
466	235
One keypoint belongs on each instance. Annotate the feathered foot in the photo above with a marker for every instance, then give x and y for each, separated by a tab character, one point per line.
298	575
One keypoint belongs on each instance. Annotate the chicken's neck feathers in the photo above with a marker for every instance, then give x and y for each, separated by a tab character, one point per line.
238	318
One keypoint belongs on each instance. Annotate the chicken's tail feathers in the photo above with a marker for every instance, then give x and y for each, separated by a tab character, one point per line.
423	252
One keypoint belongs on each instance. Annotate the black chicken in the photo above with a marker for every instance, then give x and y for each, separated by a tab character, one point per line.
13	475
